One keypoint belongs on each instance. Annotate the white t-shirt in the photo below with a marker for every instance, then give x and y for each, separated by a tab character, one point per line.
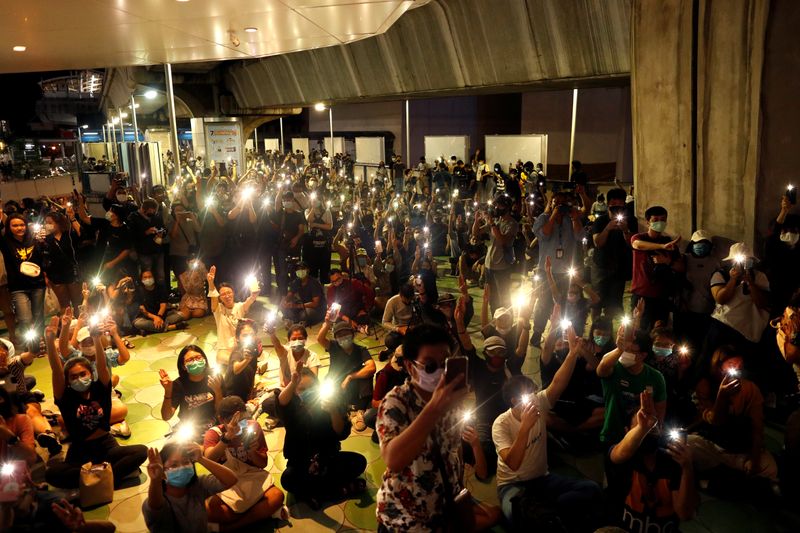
504	432
741	313
226	320
309	359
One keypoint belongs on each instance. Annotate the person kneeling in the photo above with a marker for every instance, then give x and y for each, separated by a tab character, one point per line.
317	469
239	444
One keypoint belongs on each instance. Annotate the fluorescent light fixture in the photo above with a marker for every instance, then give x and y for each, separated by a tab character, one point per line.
319	106
251	29
19	48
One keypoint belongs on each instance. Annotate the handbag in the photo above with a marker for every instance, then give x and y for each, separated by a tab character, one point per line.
459	514
96	484
32	270
51	305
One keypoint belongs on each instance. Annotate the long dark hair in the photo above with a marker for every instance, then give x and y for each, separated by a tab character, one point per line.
182	372
20	216
170	449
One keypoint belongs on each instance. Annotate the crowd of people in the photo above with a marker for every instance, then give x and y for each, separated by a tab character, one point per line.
674	391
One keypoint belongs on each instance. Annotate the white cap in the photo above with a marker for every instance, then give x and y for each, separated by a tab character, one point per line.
701	235
83	334
739	249
500	311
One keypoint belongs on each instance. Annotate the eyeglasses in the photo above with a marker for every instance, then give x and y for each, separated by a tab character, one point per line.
430	367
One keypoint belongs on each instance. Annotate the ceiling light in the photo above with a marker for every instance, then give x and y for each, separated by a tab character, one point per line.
151	94
85	126
19	48
251	29
182	0
319	106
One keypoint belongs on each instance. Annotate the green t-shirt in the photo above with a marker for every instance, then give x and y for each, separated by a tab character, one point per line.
621	395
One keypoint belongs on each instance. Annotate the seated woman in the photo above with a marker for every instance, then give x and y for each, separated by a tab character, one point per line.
176	499
732	409
12	372
78	342
240	376
193	302
82	392
317	470
154	314
240	445
297	336
195	394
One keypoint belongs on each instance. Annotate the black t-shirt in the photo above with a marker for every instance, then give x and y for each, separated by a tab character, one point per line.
113	240
488	386
309	432
138	224
289	224
343	363
638	496
83	416
307	292
61	263
152	299
242	383
195	402
14	254
616	256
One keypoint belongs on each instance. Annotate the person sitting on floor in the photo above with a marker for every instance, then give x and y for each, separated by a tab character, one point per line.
240	445
305	300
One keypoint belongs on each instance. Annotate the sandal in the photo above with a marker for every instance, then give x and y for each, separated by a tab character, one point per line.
128	343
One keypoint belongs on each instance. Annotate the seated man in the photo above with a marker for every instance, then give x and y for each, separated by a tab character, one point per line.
154	316
732	410
624	376
580	408
240	375
227	313
520	436
300	355
397	317
12	374
240	445
387	378
305	301
351	369
317	470
352	296
650	477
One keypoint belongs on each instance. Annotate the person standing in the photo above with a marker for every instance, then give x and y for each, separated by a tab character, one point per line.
502	229
147	231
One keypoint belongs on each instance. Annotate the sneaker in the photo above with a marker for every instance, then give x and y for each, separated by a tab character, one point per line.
49	440
357	419
121	430
281	514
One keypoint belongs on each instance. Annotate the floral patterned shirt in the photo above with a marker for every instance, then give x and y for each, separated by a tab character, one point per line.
413	499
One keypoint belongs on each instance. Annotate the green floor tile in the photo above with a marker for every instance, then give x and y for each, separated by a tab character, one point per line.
147	430
361	512
137	412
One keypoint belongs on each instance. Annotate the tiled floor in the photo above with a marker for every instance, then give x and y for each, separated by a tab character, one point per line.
143	394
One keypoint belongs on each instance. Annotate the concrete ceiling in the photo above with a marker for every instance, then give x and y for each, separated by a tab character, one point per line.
451	46
78	34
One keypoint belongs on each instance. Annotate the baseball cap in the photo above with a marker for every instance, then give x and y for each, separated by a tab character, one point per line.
342	326
83	334
701	235
494	343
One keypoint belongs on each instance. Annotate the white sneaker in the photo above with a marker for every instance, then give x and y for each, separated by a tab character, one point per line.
121	430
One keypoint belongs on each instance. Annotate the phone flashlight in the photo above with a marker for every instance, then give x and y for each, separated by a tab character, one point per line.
626	320
30	335
467	417
326	390
7	469
683	350
336	307
571	271
185	433
733	372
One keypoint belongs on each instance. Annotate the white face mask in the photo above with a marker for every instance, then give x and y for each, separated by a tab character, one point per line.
790	237
627	359
122	198
425	381
298	345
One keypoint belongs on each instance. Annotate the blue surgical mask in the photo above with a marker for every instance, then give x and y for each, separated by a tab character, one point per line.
658	226
601	340
81	384
181	476
307	396
701	249
660	351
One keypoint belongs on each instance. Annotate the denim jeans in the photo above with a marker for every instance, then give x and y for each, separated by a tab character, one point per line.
29	308
578	501
154	263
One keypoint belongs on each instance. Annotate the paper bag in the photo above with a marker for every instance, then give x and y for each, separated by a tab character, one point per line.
96	484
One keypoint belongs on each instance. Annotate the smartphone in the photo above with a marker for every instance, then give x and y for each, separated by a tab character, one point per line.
455	366
791	194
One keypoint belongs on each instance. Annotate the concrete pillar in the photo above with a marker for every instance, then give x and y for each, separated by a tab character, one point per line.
720	181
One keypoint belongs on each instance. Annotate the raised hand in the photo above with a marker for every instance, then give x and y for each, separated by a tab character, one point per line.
155	468
70	515
166	382
646	416
66	318
530	415
51	330
447	395
212	274
470	436
193	450
232	427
